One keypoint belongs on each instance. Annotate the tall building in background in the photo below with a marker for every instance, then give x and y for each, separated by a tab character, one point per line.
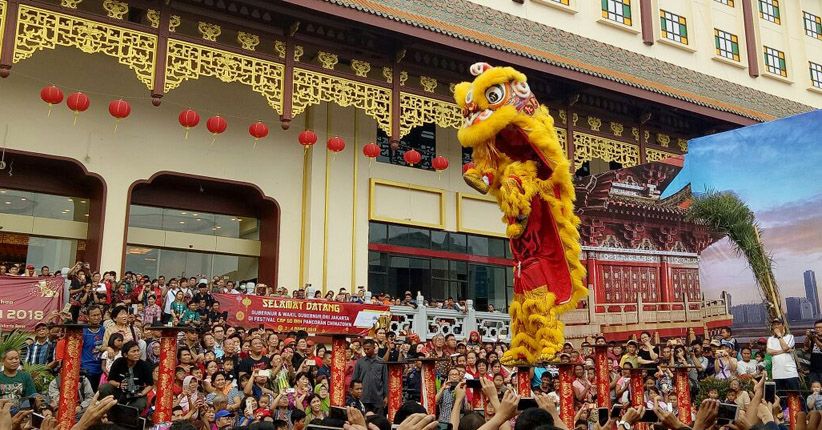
749	314
727	297
811	291
799	309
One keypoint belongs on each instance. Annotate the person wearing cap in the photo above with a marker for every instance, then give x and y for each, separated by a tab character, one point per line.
203	293
224	419
42	350
783	365
30	271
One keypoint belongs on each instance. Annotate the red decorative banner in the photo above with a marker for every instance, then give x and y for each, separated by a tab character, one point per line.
25	301
70	378
164	402
794	406
313	316
637	390
566	393
394	389
429	386
603	376
683	394
524	381
338	348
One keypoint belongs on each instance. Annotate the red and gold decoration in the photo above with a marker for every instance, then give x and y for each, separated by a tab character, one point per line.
439	163
524	381
216	125
467	166
412	157
603	376
337	387
566	393
164	402
258	130
27	301
794	403
636	388
189	119
52	95
394	388
307	138
335	144
429	385
683	394
508	151
70	376
78	102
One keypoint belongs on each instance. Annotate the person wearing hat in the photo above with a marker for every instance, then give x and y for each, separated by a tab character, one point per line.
630	355
30	271
42	350
224	419
783	365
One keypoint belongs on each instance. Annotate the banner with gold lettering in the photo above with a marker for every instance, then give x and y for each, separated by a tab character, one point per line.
26	301
314	316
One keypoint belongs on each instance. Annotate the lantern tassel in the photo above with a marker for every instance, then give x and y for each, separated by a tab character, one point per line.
116	124
255	144
213	138
48	115
76	114
187	129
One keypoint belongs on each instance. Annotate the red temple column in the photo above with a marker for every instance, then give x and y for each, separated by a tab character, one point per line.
683	394
395	369
566	393
164	402
337	384
637	389
794	403
70	376
602	369
429	385
524	381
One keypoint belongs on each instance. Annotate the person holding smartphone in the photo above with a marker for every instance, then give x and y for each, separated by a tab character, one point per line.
446	396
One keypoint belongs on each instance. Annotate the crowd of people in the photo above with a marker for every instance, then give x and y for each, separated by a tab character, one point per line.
231	376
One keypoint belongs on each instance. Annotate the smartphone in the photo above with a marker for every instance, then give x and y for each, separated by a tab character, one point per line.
290	391
602	416
770	391
264	373
445	426
616	411
338	413
36	421
527	403
727	413
473	384
649	417
125	416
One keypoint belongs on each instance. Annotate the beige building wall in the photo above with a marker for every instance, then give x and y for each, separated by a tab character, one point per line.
584	17
151	141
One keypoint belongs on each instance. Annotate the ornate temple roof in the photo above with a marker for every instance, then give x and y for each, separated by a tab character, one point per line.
471	22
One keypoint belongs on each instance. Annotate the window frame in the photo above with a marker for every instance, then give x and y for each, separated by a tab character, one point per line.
732	40
812	25
612	16
775	16
817	70
675	20
781	59
729	3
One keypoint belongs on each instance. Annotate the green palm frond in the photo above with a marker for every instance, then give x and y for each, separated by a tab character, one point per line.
14	339
725	213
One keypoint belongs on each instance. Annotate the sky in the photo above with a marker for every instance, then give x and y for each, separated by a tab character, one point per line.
776	168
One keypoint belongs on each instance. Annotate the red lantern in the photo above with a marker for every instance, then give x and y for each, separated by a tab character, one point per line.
439	163
412	157
259	130
216	125
467	166
371	150
307	138
119	109
335	144
51	95
78	102
188	119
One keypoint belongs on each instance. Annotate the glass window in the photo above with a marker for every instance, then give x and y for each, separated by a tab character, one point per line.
726	2
439	268
195	222
52	252
377	233
175	263
562	2
459	243
816	75
143	260
769	10
478	245
409	274
397	234
775	62
418	238
496	247
145	217
16	202
617	10
674	27
377	272
422	138
237	267
813	25
727	44
439	240
458	271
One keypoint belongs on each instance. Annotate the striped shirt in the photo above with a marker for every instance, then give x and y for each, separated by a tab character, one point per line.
39	353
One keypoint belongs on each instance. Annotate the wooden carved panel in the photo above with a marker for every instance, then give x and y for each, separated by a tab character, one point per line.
622	284
685	281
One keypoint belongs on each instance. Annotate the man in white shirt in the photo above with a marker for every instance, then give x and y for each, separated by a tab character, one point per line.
170	294
747	368
780	347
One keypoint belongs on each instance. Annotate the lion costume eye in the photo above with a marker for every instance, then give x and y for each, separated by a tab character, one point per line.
469	97
495	94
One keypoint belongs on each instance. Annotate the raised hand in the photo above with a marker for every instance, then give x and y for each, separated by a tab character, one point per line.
706	415
419	422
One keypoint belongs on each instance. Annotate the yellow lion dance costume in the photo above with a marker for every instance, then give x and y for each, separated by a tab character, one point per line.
518	159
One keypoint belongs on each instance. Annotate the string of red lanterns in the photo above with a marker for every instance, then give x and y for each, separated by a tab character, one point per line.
52	95
335	144
439	163
412	157
216	125
258	130
78	102
119	109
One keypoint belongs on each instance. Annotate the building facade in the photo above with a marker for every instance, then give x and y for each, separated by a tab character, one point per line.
811	291
145	194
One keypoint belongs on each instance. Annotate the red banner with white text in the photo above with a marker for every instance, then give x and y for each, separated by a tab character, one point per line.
283	314
25	301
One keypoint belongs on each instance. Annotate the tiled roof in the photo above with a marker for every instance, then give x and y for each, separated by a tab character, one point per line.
475	23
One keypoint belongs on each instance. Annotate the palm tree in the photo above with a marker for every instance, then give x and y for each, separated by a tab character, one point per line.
727	214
